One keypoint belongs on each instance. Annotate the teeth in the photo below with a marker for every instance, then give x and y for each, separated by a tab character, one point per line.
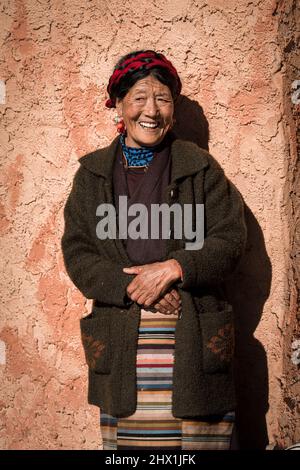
149	124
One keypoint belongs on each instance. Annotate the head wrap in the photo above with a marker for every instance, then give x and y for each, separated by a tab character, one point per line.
146	60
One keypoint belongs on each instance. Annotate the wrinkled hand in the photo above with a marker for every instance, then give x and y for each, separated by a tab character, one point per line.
152	281
169	304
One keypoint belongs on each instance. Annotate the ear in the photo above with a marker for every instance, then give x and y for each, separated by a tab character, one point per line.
119	107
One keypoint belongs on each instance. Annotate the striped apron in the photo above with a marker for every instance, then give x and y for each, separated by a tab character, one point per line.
153	426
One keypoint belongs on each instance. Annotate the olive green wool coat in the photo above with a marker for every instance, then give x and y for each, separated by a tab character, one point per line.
202	375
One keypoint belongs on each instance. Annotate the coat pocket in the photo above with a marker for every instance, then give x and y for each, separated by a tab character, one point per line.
95	336
217	330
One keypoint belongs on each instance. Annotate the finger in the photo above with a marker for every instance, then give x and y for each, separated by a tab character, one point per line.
174	303
166	310
130	290
133	286
137	293
170	305
167	307
171	308
160	308
134	297
171	300
148	296
146	299
175	294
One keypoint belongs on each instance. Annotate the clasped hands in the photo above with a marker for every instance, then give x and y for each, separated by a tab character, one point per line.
152	286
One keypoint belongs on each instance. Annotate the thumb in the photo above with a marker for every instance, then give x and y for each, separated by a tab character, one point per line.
133	270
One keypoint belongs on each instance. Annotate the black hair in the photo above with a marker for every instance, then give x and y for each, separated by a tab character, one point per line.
163	75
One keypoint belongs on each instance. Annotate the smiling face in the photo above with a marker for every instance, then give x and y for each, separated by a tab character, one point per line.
147	110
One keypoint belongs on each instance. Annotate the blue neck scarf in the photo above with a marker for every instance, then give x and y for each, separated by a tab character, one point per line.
137	156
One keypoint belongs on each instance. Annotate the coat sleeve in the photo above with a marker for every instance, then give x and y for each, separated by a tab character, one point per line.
95	276
225	233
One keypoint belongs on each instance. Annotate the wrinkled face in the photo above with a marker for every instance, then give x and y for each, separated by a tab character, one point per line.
147	111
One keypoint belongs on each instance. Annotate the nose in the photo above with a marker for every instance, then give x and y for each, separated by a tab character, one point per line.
151	108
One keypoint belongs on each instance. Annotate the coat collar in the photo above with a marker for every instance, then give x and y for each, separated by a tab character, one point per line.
187	159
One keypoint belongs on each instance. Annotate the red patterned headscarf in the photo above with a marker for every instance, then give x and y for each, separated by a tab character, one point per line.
146	60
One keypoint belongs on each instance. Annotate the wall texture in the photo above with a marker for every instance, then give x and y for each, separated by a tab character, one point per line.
237	61
289	421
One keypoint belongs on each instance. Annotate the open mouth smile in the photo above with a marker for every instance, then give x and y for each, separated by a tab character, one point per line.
148	125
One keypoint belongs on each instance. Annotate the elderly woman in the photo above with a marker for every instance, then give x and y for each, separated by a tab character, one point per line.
159	339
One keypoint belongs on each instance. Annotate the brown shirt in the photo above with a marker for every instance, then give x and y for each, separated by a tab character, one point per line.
147	188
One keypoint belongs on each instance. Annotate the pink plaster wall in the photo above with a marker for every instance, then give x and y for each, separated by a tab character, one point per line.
289	420
55	62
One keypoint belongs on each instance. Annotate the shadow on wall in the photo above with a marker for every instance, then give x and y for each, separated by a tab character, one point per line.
191	124
247	290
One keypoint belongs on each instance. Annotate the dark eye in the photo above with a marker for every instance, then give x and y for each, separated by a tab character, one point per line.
165	100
